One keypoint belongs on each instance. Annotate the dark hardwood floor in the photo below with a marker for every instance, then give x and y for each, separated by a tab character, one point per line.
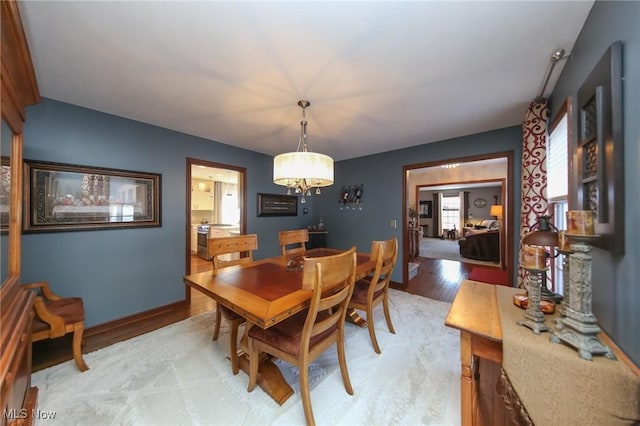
437	279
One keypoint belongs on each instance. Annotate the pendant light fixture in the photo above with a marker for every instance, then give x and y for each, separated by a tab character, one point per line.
303	171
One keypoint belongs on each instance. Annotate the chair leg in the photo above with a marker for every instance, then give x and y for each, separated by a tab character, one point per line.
78	331
233	345
306	396
342	360
372	332
216	329
254	362
387	316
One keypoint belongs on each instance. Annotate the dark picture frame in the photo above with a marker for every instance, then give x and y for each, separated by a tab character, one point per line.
597	180
426	209
67	197
277	205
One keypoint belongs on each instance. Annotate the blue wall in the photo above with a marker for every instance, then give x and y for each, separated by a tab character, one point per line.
125	271
616	279
122	272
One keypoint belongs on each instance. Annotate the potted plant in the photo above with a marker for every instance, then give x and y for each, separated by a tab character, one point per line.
413	215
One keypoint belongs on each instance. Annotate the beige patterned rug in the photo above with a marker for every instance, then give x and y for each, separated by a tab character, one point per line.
178	376
435	248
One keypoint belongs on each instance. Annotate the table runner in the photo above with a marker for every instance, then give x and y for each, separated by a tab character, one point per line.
555	385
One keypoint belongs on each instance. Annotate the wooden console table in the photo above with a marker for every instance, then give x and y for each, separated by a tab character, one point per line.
601	391
475	313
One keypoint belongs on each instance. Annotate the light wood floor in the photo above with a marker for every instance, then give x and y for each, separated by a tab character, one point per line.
437	279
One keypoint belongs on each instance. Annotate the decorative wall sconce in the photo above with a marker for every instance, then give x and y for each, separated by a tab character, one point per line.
351	198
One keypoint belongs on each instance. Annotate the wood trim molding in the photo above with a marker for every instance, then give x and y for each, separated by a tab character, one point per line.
508	221
18	89
18	75
160	312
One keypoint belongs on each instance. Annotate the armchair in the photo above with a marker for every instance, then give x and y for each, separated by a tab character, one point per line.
56	316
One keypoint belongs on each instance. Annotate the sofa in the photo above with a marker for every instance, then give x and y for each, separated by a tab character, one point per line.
481	246
477	226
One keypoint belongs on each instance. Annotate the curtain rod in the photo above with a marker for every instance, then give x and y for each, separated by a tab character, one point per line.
556	56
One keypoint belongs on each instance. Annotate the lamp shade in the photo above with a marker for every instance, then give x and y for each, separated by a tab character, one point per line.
496	210
291	168
541	238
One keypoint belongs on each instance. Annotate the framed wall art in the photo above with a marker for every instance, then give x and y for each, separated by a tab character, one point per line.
426	209
597	181
66	197
277	205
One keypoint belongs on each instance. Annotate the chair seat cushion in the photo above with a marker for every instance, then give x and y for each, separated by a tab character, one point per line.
360	292
70	309
286	335
229	314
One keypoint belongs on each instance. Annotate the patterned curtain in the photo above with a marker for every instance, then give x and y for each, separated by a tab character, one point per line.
436	215
534	170
218	194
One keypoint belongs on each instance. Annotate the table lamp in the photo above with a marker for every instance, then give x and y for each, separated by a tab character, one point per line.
496	210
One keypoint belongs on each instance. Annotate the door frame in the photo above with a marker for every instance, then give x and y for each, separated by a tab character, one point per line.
507	220
242	185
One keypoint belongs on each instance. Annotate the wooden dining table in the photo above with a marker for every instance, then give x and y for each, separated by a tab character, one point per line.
266	292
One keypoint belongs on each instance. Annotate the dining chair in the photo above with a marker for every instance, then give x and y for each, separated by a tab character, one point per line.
301	338
373	290
56	316
221	251
299	237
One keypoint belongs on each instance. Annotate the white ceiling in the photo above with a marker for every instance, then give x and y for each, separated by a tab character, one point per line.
379	75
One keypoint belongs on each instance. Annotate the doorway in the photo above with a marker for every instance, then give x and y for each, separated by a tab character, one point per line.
465	179
216	207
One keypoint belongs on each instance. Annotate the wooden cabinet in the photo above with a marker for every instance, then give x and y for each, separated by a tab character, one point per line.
18	398
317	239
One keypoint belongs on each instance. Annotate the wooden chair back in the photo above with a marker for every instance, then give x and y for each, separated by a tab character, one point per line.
218	247
385	253
332	279
56	316
244	245
374	290
301	339
296	236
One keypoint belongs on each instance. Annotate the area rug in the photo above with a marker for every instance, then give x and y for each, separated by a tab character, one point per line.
178	376
489	275
435	248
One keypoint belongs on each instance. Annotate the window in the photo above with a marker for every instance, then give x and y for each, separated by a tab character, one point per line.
557	170
450	211
557	187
